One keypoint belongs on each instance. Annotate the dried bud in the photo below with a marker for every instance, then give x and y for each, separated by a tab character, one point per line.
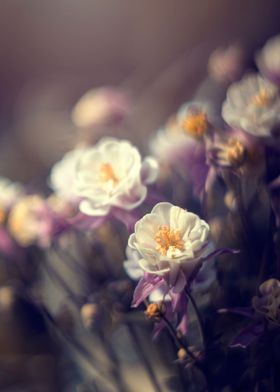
7	298
154	311
182	354
90	314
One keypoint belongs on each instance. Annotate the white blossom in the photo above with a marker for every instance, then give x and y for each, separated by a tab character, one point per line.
168	238
63	175
252	104
112	174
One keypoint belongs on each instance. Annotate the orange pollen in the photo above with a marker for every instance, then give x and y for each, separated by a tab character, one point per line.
154	310
235	151
196	124
107	173
167	238
263	98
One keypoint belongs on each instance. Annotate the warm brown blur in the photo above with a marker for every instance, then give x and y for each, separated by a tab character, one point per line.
53	51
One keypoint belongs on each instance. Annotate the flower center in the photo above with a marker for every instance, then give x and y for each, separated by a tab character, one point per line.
235	152
169	241
196	124
107	174
263	98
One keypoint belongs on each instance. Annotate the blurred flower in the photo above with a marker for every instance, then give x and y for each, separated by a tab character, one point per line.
168	238
30	221
111	174
226	64
268	59
63	175
100	106
9	194
61	207
230	153
268	303
170	145
253	104
194	118
236	150
178	151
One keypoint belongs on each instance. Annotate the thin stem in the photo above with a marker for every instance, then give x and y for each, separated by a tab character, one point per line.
178	341
54	275
115	369
199	318
143	358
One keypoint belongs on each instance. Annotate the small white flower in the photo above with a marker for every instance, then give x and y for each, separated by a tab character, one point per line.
63	175
268	59
112	174
170	237
253	104
9	192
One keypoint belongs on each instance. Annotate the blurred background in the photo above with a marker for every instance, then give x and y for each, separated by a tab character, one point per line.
54	51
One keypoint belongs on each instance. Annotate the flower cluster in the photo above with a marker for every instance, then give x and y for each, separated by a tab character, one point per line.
175	237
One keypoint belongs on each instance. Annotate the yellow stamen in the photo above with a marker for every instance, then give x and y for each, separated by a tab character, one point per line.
235	152
107	173
263	98
196	124
168	239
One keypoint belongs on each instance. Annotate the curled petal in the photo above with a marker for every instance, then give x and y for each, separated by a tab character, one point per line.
149	170
144	288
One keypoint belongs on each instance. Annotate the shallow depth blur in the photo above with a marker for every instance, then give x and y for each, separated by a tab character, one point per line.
66	322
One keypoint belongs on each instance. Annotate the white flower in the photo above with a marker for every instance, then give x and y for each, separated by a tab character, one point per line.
268	59
63	175
170	237
253	104
111	174
9	192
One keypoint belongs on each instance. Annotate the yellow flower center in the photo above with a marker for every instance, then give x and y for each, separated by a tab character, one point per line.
168	241
107	174
196	124
263	98
235	152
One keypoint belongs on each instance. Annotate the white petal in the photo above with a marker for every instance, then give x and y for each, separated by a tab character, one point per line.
162	210
149	170
87	209
152	268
